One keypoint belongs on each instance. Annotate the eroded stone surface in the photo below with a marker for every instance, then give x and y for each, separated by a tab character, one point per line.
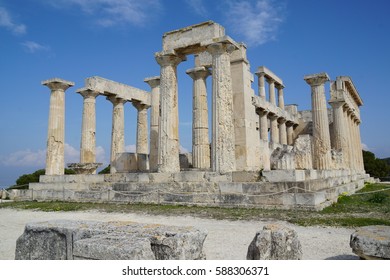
62	240
275	242
371	242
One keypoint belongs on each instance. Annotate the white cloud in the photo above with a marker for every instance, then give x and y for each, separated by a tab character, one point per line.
25	158
257	22
183	150
33	47
9	23
198	7
101	155
113	12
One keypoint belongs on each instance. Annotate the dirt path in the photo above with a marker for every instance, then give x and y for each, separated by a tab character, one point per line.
226	240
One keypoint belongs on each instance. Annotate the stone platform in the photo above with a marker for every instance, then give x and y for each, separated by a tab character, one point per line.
284	189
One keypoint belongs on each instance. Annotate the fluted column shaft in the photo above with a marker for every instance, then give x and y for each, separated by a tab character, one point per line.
56	128
118	130
321	136
282	131
359	147
271	91
264	125
142	128
261	83
274	128
280	97
200	123
290	133
223	149
338	125
168	135
88	127
154	83
349	146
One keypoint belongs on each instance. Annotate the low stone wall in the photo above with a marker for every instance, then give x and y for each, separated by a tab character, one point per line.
68	240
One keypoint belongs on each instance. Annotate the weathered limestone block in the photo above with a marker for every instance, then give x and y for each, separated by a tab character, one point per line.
275	242
283	158
61	240
371	242
303	152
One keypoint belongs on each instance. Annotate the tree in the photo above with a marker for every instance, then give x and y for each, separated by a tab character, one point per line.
105	170
375	166
23	180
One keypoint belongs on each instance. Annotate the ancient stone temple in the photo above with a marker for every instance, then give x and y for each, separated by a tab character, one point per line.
261	152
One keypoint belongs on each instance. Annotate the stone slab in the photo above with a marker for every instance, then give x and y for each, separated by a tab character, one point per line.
371	242
65	240
284	175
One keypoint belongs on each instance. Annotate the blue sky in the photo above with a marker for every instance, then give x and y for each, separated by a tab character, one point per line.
117	39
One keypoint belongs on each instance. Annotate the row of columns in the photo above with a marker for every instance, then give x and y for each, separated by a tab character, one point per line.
346	132
222	146
281	131
56	127
347	135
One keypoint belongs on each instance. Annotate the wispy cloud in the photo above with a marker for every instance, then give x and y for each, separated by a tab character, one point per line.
114	12
30	158
9	23
33	47
365	147
198	7
256	21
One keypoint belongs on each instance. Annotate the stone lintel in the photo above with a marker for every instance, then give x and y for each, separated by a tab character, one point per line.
188	39
268	74
57	83
351	89
126	92
273	110
316	79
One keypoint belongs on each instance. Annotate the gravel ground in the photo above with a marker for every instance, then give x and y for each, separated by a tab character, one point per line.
226	240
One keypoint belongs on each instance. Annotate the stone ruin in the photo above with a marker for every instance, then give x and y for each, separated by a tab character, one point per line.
262	152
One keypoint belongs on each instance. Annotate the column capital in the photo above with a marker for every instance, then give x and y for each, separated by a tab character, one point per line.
279	86
316	79
86	92
116	100
281	120
220	48
198	73
153	82
270	80
139	106
57	83
336	104
168	58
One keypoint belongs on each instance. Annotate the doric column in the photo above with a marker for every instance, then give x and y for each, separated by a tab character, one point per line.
223	149
56	131
290	133
274	129
118	130
261	83
142	128
282	131
349	151
154	83
200	123
88	127
360	149
271	83
340	137
168	150
280	96
321	136
263	125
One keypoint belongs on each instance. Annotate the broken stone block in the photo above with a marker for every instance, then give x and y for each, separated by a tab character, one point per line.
371	242
67	240
275	242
